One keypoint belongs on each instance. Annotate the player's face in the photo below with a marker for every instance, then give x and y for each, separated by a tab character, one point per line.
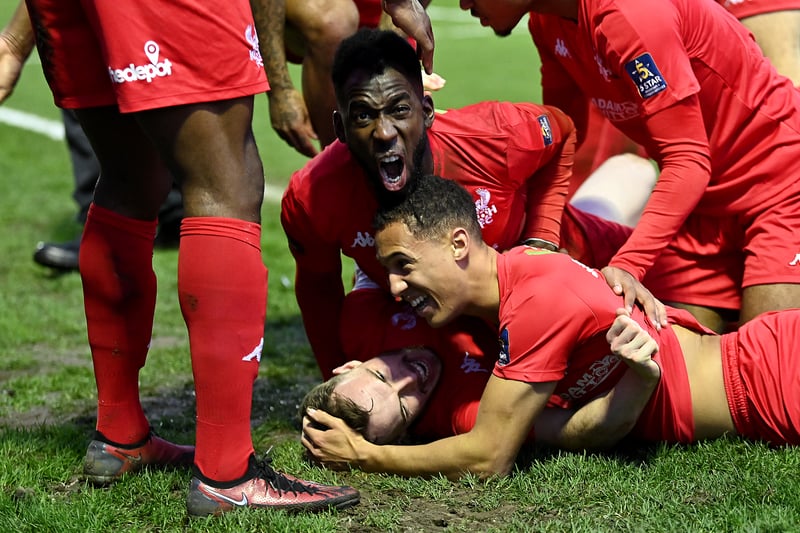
423	273
394	388
501	15
384	126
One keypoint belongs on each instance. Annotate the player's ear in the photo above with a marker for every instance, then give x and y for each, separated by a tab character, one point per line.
338	126
347	367
428	109
459	241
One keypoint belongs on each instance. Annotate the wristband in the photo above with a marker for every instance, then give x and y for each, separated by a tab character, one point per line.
541	243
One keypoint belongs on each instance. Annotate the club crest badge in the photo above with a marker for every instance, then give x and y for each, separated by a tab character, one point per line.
503	358
547	131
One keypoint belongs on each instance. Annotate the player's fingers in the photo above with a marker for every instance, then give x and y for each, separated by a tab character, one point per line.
654	310
629	296
425	46
620	324
300	140
322	418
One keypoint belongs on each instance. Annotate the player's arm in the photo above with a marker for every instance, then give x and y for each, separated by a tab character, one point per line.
16	44
507	411
318	284
682	151
548	186
607	419
287	109
320	296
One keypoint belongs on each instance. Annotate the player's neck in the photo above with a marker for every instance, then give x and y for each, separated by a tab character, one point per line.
484	288
562	8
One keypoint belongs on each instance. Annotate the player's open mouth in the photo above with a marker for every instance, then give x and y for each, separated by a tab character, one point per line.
393	172
418	303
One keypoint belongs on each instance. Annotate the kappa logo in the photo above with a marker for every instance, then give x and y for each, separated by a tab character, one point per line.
133	73
256	353
601	68
561	48
484	211
255	52
469	365
363	240
795	261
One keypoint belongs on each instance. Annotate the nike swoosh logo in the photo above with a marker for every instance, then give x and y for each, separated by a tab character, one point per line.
135	459
240	503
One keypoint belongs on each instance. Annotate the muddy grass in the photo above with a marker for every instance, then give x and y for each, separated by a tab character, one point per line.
380	509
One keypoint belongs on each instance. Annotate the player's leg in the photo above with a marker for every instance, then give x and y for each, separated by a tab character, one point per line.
321	26
715	319
758	299
618	189
778	35
119	288
211	151
222	285
771	279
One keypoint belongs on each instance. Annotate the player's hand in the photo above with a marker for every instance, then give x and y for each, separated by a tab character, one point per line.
635	346
10	66
335	447
289	117
411	17
624	284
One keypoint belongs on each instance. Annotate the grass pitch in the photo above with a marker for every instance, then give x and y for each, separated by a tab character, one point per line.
47	387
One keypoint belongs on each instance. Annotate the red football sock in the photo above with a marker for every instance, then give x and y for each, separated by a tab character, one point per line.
222	283
119	292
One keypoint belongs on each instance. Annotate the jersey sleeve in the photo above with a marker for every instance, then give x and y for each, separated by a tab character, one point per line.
547	188
309	247
642	44
543	321
683	154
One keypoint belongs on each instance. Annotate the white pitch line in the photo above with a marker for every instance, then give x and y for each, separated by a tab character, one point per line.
28	121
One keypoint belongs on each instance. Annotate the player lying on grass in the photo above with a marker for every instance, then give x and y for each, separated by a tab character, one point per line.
413	394
552	314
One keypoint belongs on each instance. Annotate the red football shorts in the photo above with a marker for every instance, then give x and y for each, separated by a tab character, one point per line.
370	12
762	377
710	260
147	54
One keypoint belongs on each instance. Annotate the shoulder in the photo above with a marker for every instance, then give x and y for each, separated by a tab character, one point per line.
490	118
331	172
328	194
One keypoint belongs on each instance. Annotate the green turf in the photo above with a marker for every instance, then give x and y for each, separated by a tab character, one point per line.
47	388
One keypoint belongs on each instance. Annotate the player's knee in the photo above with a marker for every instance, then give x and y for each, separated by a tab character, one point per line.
328	27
